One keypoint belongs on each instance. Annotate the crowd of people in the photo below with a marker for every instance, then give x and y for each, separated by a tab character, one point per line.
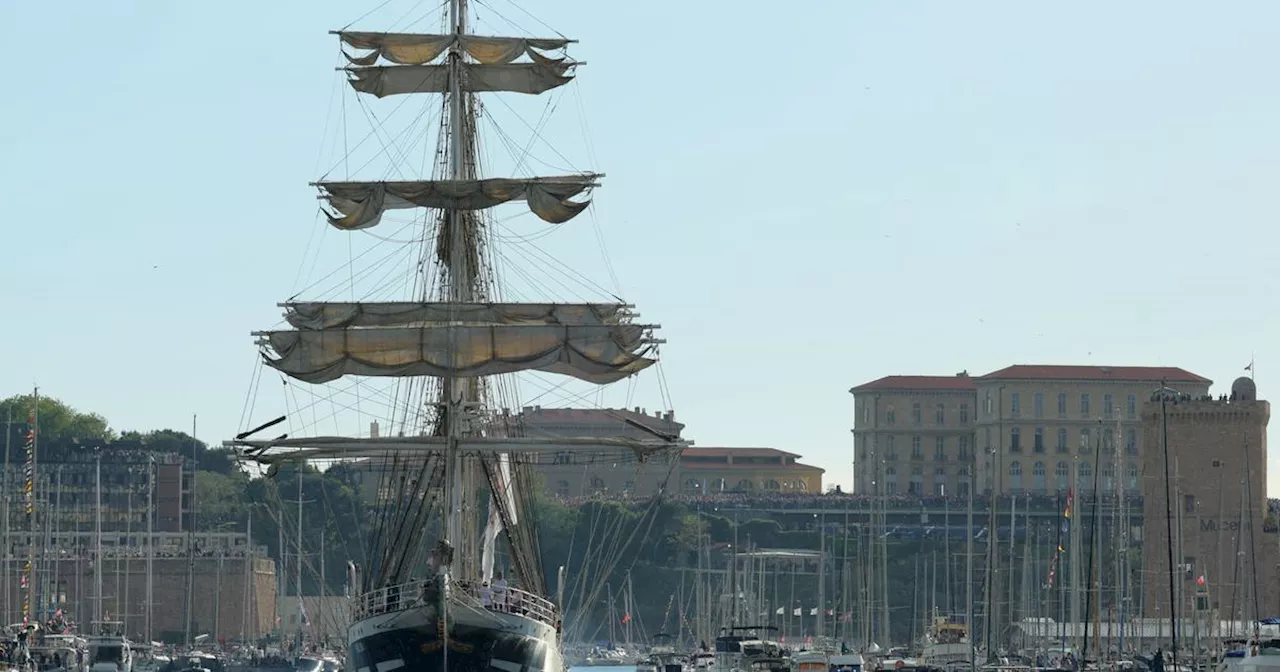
840	500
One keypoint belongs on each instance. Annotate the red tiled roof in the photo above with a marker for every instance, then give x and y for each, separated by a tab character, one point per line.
1171	374
692	451
596	415
962	383
717	466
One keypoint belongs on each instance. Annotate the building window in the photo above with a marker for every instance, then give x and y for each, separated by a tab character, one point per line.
915	412
940	414
1107	410
940	482
988	403
964	414
1133	476
917	453
1062	440
1085	478
1133	405
1015	404
1062	475
963	450
1131	442
1062	404
1108	476
940	449
745	485
1039	404
772	484
562	488
891	481
691	486
1015	440
1015	475
916	485
890	416
963	477
1038	446
1189	565
866	413
1084	405
1108	440
1188	503
1037	477
890	450
986	438
1085	445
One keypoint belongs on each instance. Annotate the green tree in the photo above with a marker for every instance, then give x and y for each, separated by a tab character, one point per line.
216	460
220	499
57	421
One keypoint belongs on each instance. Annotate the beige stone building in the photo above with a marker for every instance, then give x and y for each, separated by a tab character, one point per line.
1021	429
914	434
1217	476
570	473
1052	418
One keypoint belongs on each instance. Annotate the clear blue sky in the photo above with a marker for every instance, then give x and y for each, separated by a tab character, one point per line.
806	195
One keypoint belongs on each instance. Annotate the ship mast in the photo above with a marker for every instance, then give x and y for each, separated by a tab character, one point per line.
459	285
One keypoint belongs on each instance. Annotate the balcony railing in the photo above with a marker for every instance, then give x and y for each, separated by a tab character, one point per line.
407	595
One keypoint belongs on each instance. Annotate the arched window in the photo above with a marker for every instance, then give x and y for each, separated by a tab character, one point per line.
597	483
745	484
1015	475
801	485
772	484
719	485
1062	476
1037	477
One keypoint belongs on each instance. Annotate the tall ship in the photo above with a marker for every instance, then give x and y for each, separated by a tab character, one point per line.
456	469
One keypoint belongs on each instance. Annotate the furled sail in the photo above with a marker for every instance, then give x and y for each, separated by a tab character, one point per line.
542	74
359	205
419	49
595	353
330	315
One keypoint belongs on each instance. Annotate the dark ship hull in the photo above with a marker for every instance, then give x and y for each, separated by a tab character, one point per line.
401	628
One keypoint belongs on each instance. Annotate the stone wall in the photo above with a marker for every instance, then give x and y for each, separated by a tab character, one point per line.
221	590
1217	467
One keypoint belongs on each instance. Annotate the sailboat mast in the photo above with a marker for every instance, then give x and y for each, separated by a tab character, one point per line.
191	538
320	606
298	585
151	474
97	554
33	439
968	563
8	438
